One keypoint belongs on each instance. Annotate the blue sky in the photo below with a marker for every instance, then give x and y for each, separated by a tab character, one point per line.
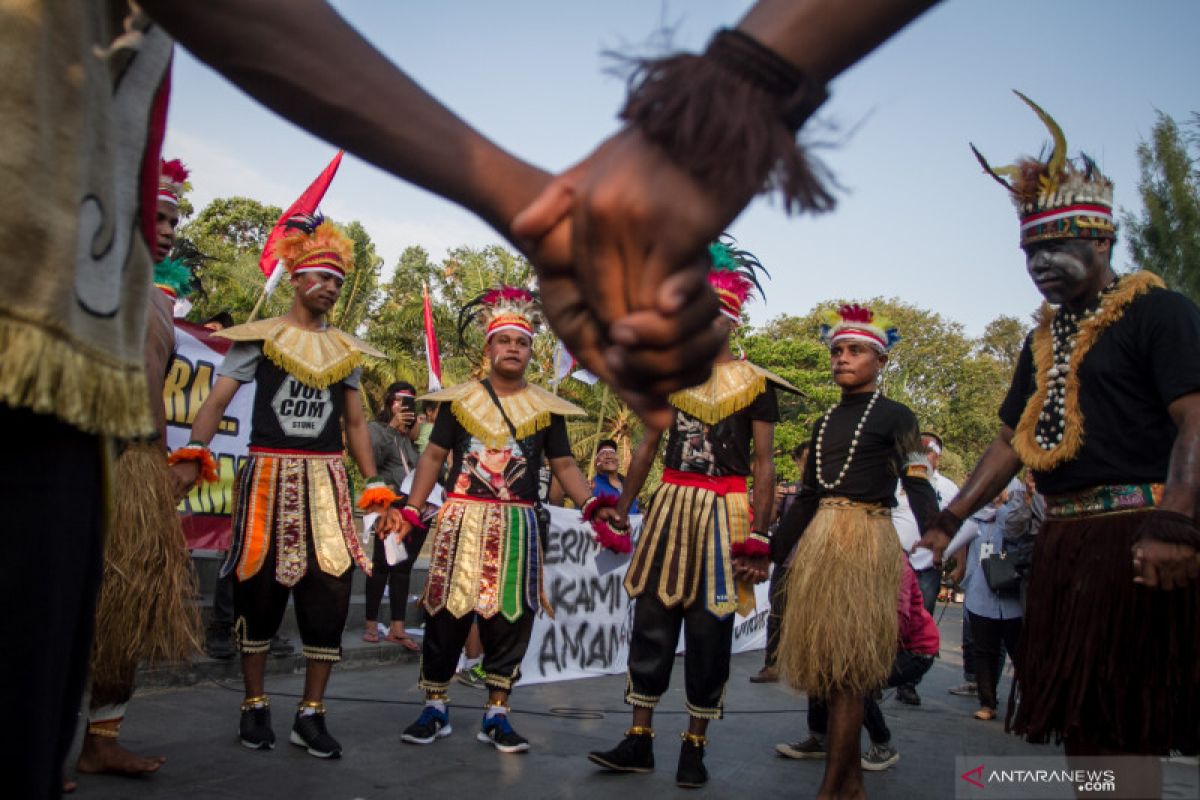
918	220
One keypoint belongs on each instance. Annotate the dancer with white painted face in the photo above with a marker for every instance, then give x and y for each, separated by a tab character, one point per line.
486	559
293	525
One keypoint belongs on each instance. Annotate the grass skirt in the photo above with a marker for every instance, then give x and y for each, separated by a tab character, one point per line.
1102	657
147	609
839	626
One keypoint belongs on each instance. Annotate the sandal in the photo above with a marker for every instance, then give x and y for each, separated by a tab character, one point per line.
404	641
371	636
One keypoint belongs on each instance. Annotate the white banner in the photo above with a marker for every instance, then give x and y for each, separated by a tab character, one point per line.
593	615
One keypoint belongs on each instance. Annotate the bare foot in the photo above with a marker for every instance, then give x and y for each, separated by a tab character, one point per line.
69	786
101	754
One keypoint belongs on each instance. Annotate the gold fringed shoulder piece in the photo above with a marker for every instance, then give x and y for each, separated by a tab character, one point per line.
50	375
315	358
732	386
775	379
1112	308
530	411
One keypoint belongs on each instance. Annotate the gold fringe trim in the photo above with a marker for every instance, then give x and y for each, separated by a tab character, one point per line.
1112	308
315	358
494	680
49	374
530	411
732	386
314	653
147	609
632	698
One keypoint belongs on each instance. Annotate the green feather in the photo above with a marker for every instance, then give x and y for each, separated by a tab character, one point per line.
175	275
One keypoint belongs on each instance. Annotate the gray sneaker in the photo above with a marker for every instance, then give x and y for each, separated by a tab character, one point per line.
968	689
879	757
810	748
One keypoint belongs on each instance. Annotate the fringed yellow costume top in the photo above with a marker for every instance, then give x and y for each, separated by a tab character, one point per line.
315	358
76	273
529	410
732	386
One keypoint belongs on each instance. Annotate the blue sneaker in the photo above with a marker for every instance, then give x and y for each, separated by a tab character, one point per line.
497	731
431	725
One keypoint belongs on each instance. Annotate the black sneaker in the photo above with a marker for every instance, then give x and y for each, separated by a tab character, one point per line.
497	731
431	725
908	695
879	757
255	728
691	773
309	732
635	753
812	747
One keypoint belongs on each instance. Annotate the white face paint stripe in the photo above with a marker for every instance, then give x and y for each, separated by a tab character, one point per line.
312	289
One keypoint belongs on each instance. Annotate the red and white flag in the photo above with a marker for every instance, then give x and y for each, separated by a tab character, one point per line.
306	203
565	364
433	358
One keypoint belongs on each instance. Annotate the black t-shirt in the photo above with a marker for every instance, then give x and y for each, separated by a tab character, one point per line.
507	474
721	449
1138	366
890	440
288	415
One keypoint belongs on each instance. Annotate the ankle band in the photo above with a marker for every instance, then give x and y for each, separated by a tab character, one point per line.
108	729
640	730
254	702
696	739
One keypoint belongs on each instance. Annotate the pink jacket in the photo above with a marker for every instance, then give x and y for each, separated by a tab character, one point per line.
918	631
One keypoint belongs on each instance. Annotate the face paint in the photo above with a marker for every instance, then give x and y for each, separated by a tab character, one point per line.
1061	270
316	287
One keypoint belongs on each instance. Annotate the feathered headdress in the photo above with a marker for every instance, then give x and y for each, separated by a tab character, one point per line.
312	244
174	275
502	308
172	180
734	275
858	323
1056	198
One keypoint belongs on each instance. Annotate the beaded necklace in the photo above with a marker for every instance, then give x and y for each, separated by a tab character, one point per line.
853	442
1064	334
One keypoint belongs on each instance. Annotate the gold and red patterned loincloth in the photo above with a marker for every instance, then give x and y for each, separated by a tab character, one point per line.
485	558
695	520
289	496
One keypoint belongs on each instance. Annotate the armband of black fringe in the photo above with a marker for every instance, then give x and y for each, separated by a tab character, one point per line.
730	118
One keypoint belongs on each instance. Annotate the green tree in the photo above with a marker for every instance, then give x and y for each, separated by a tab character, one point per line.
1165	237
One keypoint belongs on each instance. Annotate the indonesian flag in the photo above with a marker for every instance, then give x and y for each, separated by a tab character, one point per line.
564	362
306	203
564	366
433	358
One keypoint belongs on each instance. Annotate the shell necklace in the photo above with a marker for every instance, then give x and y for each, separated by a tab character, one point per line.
853	443
1064	332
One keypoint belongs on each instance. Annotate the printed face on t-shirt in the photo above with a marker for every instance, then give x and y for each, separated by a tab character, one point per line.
302	411
491	472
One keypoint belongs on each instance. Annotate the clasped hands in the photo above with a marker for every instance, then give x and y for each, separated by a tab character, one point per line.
619	242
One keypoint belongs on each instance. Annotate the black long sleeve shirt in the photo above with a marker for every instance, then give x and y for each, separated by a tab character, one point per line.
889	449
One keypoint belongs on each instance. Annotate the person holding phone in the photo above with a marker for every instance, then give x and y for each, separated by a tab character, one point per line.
392	433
